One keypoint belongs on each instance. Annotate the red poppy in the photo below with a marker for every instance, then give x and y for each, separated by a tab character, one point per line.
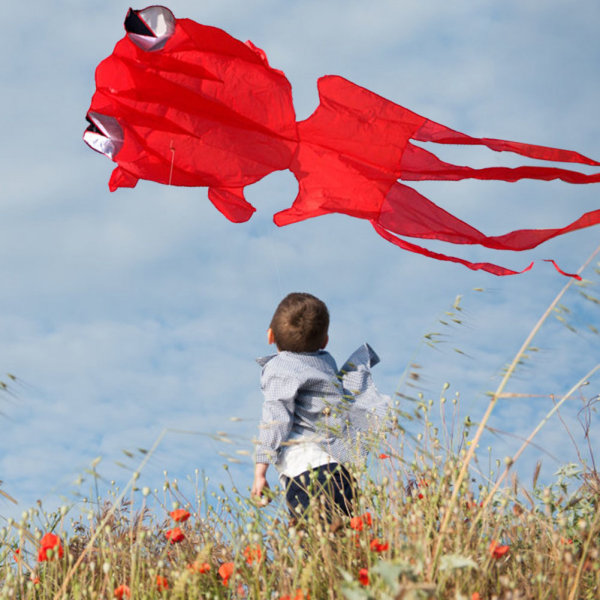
161	583
175	535
475	596
50	547
180	515
382	455
363	577
252	553
378	546
122	591
17	555
199	567
358	523
562	541
498	551
34	579
226	571
299	596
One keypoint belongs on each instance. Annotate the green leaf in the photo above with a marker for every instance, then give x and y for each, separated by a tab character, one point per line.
451	562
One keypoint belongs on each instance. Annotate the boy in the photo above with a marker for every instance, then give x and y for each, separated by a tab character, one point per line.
310	420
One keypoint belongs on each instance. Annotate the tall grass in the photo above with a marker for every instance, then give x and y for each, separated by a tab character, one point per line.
540	542
430	522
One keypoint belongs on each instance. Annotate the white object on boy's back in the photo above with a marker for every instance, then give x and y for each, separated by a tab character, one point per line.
301	453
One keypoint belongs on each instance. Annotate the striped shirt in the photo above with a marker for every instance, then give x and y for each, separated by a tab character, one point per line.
307	397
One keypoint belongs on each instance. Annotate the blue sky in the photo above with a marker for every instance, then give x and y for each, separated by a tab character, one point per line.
123	314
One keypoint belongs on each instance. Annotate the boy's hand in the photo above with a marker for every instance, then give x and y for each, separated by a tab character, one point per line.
260	484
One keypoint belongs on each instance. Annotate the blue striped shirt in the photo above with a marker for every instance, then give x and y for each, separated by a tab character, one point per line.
304	392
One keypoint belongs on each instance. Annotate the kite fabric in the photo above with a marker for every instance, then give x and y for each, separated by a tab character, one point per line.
182	103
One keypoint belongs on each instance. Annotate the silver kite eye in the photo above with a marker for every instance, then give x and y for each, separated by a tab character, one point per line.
150	28
104	134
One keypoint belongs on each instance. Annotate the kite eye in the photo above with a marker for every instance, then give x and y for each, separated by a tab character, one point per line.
150	28
104	134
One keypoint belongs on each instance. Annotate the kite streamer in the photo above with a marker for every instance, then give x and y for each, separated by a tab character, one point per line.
186	104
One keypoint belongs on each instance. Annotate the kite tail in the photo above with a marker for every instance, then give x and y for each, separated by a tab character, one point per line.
419	164
431	131
406	212
483	266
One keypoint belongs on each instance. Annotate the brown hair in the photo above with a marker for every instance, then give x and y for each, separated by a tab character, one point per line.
300	323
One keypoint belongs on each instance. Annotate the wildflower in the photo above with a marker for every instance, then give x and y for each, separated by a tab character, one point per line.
363	577
175	535
34	579
122	591
199	567
383	456
252	553
50	544
161	583
475	596
378	546
498	551
564	540
180	515
358	523
299	596
17	555
226	571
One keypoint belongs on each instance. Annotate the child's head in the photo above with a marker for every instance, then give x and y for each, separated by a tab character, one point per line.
300	324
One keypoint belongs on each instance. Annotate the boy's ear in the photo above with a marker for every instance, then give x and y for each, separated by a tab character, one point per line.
270	336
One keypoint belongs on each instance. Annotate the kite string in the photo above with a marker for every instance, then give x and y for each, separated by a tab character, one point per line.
277	270
172	148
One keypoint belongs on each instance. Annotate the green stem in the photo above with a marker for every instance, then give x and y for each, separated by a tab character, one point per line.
509	372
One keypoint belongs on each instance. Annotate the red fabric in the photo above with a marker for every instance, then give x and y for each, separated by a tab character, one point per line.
208	110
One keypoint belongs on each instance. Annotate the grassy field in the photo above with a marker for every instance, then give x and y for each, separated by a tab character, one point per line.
541	543
428	524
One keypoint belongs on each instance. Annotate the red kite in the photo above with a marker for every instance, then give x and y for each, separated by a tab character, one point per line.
181	103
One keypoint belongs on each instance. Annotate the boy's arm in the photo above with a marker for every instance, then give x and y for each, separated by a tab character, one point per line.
279	392
260	483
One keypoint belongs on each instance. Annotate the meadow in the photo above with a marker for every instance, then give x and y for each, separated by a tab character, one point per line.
430	522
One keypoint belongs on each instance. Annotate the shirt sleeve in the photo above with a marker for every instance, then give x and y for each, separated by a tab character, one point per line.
368	408
279	392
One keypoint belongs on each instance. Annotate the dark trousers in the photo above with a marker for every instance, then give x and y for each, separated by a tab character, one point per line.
332	486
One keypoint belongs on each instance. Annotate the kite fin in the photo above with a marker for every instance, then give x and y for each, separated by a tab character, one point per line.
231	203
122	178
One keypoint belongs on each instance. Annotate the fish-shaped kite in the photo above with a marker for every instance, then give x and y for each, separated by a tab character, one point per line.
182	103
